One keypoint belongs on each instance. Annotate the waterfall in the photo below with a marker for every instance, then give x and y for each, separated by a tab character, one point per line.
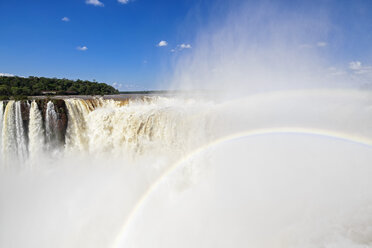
1	122
51	132
20	133
36	133
76	138
116	160
98	126
136	126
9	143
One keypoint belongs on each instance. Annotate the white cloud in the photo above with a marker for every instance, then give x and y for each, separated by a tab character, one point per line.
82	48
184	46
94	2
162	43
358	68
355	65
181	47
321	44
6	75
117	85
65	19
123	1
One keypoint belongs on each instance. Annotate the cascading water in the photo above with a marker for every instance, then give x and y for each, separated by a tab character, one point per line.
35	133
14	141
20	133
153	125
76	136
97	126
128	166
9	143
51	133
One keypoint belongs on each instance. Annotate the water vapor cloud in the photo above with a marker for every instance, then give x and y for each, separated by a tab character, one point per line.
123	1
6	75
162	43
321	44
95	3
82	48
257	47
358	68
180	47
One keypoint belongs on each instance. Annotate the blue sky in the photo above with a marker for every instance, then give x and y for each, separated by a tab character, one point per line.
120	42
121	38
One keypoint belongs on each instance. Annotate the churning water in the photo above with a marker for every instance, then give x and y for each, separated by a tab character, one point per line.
285	169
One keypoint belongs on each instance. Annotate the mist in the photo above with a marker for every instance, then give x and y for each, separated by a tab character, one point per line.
271	148
258	47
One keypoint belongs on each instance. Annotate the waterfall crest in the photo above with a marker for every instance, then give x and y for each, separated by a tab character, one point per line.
155	125
98	126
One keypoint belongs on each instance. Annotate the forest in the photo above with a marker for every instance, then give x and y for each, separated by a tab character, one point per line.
18	87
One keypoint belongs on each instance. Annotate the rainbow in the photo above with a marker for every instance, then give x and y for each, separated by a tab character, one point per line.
359	140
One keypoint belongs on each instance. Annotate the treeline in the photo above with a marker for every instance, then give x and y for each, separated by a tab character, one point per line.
15	87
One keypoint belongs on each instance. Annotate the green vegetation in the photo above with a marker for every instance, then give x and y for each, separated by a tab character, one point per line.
19	87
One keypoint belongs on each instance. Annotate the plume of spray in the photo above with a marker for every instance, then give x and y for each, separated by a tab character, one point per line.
276	190
260	47
278	161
